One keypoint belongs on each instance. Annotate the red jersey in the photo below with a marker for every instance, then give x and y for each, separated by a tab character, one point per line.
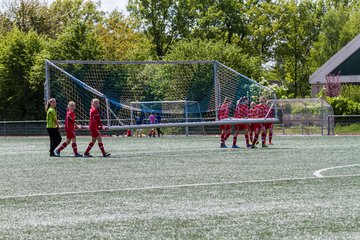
95	121
261	110
241	111
271	112
223	111
69	121
254	112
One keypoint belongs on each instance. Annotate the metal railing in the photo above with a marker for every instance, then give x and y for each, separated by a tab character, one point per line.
343	124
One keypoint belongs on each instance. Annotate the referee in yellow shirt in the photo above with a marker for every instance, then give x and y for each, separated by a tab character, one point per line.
52	126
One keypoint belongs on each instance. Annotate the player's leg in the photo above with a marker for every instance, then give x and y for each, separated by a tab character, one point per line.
222	137
52	136
256	136
63	146
237	130
228	132
271	134
74	147
94	135
101	146
263	135
247	137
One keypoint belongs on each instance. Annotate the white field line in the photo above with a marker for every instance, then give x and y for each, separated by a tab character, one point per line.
319	175
169	187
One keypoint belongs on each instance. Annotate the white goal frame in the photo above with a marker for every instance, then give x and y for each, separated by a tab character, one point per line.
122	126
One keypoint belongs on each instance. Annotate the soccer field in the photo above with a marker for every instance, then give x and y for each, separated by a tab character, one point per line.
181	188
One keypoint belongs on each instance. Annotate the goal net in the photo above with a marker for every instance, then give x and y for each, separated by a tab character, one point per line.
185	93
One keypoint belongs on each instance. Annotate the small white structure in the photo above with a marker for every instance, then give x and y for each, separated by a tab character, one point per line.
346	63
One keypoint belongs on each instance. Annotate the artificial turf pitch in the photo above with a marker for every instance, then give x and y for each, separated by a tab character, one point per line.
181	188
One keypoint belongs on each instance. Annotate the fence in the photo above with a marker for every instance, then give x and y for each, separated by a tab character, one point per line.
343	125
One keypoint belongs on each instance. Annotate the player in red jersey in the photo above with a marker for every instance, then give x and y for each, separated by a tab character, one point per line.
94	126
70	126
241	111
225	129
253	127
262	113
270	126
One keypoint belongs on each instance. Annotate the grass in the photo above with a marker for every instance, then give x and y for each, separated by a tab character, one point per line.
181	188
347	129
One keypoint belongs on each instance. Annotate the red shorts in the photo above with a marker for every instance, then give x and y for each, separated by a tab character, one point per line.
225	127
241	127
254	127
95	133
70	134
269	125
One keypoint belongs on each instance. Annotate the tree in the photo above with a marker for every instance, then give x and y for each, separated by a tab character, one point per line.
120	41
223	19
64	13
18	51
299	29
163	21
77	42
229	54
28	15
328	42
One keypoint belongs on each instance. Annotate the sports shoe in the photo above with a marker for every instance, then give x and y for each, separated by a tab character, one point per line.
106	154
253	146
222	145
87	155
78	155
57	153
235	146
264	146
257	142
249	146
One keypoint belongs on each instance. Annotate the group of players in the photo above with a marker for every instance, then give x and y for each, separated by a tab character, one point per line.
242	110
53	125
251	131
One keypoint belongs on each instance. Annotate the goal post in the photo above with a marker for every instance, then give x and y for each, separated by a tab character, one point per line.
187	93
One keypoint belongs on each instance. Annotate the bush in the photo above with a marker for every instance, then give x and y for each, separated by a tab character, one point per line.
344	106
351	92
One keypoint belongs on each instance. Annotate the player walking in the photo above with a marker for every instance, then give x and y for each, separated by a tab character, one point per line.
70	126
52	126
241	111
158	120
225	129
94	126
152	120
270	126
261	113
138	121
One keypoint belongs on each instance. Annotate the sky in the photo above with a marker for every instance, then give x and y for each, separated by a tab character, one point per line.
109	5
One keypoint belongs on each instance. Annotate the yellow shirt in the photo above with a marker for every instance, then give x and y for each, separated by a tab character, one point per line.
51	118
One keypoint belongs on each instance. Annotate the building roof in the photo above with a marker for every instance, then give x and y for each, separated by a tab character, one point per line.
349	52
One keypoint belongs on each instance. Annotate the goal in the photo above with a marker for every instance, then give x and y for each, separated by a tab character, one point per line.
187	93
182	111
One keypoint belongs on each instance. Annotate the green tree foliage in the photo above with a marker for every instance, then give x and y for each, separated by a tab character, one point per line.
28	15
222	20
64	13
119	41
230	55
18	52
77	42
279	43
163	21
